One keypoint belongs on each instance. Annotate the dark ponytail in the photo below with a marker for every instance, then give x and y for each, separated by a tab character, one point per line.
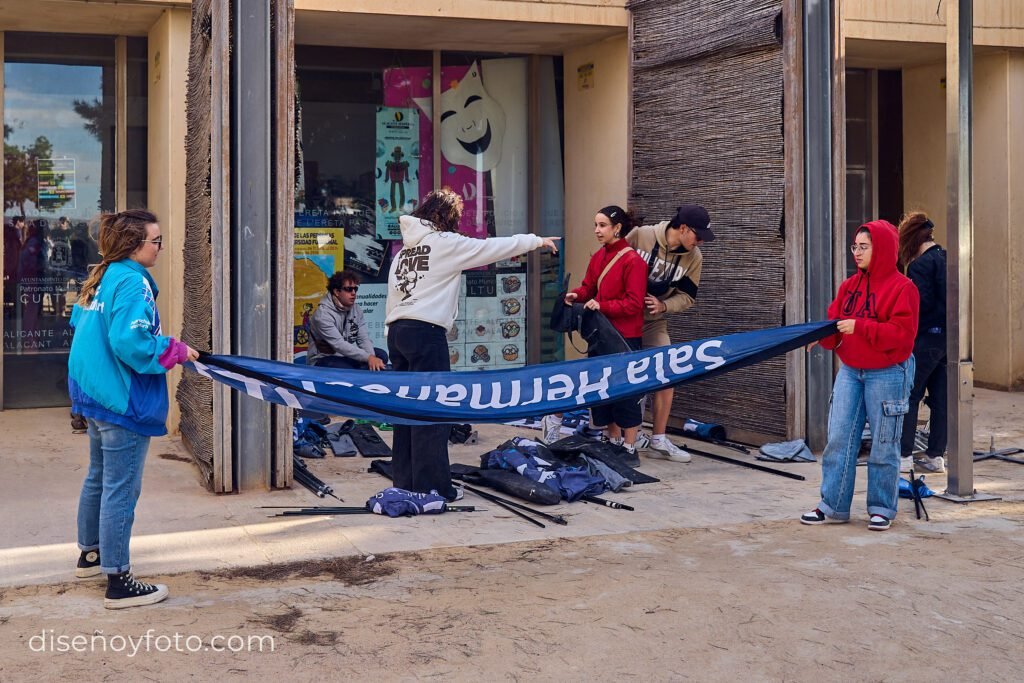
619	216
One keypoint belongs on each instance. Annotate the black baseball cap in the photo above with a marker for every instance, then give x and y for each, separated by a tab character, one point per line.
696	218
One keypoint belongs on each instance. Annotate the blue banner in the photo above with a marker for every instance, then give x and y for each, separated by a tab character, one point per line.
501	395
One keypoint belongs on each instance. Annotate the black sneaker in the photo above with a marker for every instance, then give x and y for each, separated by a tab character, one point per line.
124	590
879	523
88	564
816	516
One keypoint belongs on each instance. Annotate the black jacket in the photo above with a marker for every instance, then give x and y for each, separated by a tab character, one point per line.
928	273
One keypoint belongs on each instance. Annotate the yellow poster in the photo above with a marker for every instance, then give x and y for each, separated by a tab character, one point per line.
319	253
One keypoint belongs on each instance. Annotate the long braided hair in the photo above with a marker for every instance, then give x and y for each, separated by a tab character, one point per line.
120	235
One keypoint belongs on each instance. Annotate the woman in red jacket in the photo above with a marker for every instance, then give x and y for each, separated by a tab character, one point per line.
877	309
615	284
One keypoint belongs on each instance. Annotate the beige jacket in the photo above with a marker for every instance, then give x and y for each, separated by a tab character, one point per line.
679	268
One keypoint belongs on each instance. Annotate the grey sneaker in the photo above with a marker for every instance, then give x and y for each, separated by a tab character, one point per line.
930	464
663	449
551	426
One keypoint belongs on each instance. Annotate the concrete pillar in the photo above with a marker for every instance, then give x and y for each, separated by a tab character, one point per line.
999	220
998	199
596	145
168	72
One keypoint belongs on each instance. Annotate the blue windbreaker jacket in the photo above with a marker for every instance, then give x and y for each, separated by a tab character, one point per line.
119	360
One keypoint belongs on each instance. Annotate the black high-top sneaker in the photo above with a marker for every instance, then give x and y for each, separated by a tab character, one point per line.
88	564
124	590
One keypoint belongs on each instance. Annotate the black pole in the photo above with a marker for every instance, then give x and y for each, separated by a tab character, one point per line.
557	519
608	503
753	466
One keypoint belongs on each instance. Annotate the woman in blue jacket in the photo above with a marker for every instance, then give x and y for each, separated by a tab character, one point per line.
116	377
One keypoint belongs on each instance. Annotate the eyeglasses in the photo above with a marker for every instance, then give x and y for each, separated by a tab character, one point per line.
159	242
859	248
351	290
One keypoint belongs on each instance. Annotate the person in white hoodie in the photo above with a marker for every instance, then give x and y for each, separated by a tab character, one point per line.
423	301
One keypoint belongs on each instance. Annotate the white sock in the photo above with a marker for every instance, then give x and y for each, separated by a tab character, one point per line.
659	437
631	447
617	441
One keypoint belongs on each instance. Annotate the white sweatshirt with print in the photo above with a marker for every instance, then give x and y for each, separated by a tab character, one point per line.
425	276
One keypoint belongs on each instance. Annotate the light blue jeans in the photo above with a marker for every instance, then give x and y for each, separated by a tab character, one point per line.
880	397
106	508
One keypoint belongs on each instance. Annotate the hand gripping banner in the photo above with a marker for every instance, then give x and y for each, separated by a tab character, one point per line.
501	395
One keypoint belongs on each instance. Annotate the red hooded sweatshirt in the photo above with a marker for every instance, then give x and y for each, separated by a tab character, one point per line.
883	303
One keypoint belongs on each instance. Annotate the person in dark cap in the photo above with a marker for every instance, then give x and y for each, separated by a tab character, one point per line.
672	252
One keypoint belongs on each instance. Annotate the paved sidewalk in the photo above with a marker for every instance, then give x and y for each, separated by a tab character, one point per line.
181	527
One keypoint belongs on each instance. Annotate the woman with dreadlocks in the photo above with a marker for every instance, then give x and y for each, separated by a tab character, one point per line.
876	309
116	377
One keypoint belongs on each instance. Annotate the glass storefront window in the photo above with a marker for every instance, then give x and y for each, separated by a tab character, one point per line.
59	111
367	133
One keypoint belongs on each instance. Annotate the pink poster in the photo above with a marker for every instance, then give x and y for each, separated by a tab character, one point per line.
472	128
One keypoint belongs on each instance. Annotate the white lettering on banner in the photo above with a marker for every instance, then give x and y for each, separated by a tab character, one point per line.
403	392
634	368
675	363
339	384
538	392
376	388
450	395
659	367
586	386
715	361
558	393
290	399
253	387
309	386
496	392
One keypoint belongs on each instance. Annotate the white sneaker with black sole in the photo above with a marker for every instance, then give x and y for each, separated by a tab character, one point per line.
661	448
124	590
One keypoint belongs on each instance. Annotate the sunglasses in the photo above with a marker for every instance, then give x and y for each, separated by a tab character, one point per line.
352	289
859	248
159	242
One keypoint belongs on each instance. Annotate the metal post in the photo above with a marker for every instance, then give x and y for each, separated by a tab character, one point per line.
818	22
251	314
960	235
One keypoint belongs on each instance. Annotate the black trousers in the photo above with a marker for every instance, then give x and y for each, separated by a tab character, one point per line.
625	413
420	460
930	376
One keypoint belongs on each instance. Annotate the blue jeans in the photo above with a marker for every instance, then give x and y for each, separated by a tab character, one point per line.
106	508
881	398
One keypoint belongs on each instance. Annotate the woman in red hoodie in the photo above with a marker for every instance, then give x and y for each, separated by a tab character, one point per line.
877	310
615	284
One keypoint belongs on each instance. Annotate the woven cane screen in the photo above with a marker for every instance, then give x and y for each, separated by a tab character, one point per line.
195	393
708	124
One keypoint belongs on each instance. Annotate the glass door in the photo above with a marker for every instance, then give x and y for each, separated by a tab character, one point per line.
59	131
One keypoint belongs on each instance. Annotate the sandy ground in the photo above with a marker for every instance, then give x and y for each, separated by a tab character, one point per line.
766	601
729	586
